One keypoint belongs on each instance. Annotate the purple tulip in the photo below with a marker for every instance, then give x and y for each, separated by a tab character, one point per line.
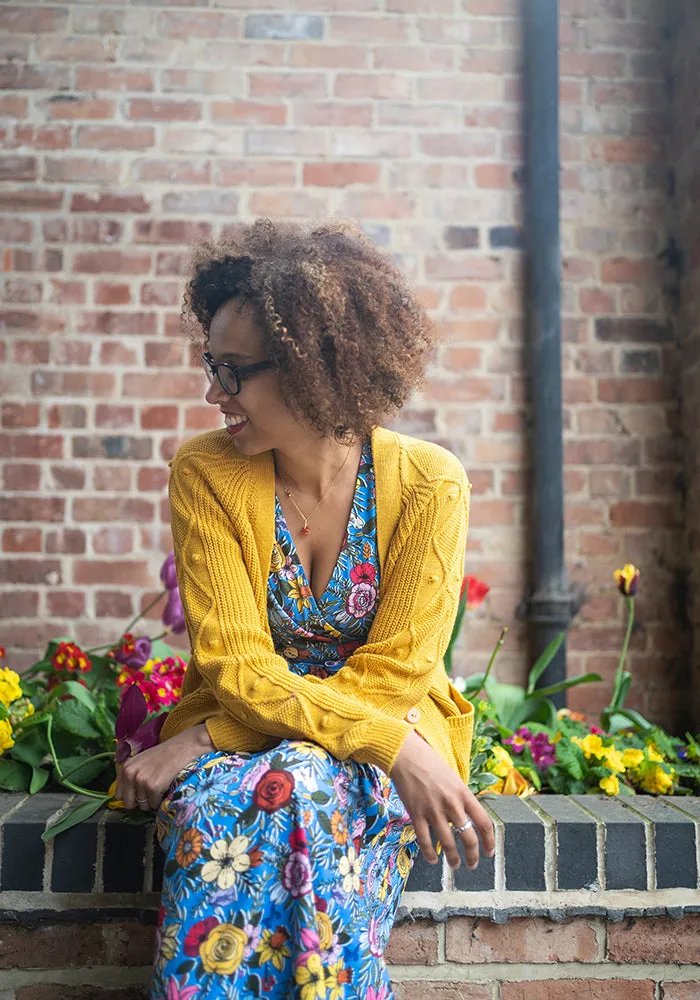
168	572
132	735
174	616
138	657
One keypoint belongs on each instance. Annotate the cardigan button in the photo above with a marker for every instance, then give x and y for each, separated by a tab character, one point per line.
413	715
325	720
433	578
197	557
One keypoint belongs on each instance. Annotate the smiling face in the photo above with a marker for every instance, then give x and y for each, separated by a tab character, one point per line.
257	418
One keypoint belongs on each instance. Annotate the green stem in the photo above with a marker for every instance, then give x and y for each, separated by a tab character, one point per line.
623	653
63	779
145	610
494	654
97	756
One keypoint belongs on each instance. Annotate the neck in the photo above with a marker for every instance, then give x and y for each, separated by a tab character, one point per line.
310	469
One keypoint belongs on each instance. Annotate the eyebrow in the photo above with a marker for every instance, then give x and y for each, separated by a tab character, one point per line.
234	354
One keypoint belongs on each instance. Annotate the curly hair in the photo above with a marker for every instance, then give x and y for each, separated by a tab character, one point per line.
349	336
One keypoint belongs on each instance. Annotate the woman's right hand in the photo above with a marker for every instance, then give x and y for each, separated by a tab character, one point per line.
435	797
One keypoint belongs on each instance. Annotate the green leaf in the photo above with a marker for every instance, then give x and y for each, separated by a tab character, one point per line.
571	757
105	723
506	698
4	711
74	816
80	770
75	718
39	779
324	822
571	682
622	719
623	682
31	750
543	661
320	798
14	776
160	650
80	693
34	720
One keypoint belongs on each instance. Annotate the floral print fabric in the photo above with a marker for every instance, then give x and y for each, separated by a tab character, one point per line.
284	869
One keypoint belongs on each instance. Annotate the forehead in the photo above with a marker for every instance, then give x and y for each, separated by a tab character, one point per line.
233	331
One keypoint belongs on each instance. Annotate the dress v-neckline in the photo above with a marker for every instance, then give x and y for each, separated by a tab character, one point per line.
297	558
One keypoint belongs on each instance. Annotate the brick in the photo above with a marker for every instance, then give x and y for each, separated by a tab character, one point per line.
576	989
71	106
30	352
21	540
81	170
68	293
73	383
170	231
113	478
113	78
163	110
679	991
112	261
113	604
67	477
413	944
113	541
112	509
32	571
66	603
639	330
159	417
19	415
21	477
68	541
18	168
116	137
287	85
656	939
109	203
66	415
31	508
118	324
532	940
205	202
109	293
19	604
46	991
119	572
30	199
16	76
177	24
285	27
379	86
174	171
441	990
151	479
117	446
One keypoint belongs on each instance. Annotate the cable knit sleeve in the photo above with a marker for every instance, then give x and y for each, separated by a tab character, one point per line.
359	712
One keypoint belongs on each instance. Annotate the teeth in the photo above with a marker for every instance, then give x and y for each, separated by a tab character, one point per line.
232	421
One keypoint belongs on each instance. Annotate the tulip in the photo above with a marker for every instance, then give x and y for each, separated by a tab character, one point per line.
627	580
168	572
134	653
132	735
476	590
173	616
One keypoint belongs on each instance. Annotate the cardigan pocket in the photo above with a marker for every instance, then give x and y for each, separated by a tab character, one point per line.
461	728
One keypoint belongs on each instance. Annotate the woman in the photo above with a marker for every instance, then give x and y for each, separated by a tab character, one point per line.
318	743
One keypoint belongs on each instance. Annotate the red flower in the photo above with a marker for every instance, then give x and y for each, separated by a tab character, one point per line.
476	591
273	791
363	573
297	840
68	656
195	935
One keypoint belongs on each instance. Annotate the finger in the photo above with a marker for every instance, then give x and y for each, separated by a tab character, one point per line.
443	831
142	798
424	841
470	843
483	823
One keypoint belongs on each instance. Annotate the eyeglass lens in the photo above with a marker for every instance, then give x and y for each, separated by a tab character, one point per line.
227	378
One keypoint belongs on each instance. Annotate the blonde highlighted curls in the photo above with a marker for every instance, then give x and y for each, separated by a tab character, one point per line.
348	334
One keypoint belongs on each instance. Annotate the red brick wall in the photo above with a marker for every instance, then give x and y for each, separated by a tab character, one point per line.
131	130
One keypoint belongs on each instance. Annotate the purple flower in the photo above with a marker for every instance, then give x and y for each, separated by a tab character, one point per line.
174	616
132	735
135	654
168	573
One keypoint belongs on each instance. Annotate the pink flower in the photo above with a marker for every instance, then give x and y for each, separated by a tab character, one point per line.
168	573
178	990
361	600
296	874
310	939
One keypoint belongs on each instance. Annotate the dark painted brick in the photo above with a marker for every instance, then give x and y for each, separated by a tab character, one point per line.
425	877
625	846
632	330
284	26
75	857
506	238
524	842
577	854
23	850
641	362
481	879
674	843
123	865
461	237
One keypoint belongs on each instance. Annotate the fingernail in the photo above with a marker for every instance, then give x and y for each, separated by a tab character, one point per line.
490	854
472	867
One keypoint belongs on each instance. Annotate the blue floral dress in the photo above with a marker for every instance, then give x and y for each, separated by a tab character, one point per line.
284	869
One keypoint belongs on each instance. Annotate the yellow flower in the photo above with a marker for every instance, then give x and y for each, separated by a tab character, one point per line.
631	757
403	863
653	752
336	978
300	592
311	978
278	560
627	580
350	867
9	686
114	803
500	762
222	950
169	942
6	740
610	785
592	745
657	780
273	948
614	759
517	784
324	927
339	828
408	834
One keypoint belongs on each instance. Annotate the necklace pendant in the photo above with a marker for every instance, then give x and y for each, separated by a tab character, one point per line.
305	530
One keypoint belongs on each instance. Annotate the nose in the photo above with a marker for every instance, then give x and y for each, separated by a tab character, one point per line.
215	394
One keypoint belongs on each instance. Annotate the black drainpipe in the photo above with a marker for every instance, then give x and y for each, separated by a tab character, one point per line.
549	606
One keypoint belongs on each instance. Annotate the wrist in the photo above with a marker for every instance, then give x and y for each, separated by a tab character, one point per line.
204	740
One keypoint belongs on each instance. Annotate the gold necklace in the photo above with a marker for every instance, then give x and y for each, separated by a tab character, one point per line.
305	530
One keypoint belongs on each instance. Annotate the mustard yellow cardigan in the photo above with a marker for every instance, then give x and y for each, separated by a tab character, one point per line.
222	509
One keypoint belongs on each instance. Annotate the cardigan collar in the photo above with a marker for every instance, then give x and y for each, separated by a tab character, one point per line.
386	450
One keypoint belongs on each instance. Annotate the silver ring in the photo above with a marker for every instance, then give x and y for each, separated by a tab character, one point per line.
142	802
465	826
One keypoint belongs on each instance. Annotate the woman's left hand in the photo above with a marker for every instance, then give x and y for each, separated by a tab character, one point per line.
143	780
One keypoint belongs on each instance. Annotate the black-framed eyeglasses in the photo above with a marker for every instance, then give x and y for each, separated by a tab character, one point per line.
231	376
